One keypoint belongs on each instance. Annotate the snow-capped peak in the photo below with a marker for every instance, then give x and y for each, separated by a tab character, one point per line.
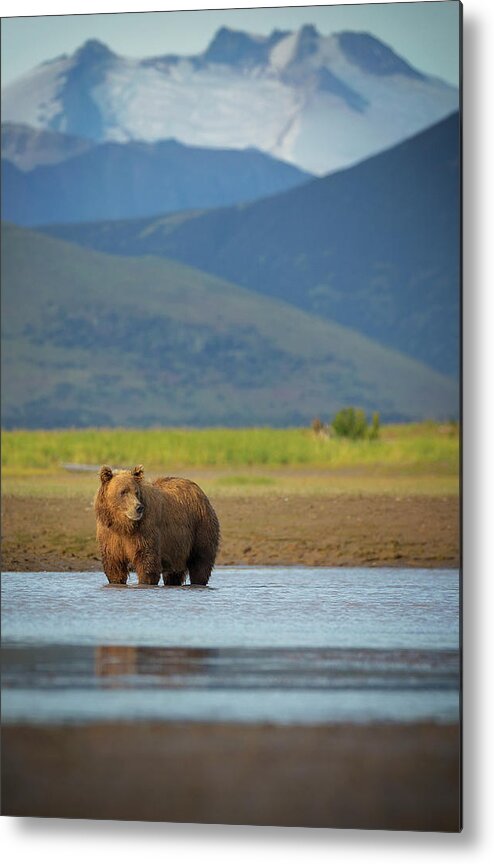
321	102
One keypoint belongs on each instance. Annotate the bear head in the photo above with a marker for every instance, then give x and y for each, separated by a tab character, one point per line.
120	499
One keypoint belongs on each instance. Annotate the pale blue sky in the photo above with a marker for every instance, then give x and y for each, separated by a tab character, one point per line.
425	33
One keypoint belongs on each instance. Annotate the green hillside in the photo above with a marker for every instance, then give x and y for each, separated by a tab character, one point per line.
92	339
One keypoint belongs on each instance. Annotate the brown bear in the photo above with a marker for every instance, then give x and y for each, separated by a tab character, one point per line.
167	527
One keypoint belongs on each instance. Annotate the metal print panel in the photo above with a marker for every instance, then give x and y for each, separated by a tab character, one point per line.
230	416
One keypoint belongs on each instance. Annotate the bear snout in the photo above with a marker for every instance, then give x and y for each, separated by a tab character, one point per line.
136	512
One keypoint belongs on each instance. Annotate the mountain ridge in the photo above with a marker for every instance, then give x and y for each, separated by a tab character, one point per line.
371	247
79	180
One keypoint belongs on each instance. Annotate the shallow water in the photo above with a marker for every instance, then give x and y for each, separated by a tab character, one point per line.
270	644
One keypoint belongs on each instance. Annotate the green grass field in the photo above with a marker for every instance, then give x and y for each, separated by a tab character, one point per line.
410	445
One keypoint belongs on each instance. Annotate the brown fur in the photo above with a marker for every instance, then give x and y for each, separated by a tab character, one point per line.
166	528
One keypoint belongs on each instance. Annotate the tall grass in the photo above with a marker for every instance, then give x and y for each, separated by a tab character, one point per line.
162	449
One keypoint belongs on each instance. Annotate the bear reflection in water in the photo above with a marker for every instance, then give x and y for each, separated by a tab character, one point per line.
165	528
173	665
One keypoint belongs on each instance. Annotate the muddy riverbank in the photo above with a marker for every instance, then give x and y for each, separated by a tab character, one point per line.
53	533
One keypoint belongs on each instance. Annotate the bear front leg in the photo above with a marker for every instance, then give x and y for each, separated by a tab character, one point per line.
116	571
148	568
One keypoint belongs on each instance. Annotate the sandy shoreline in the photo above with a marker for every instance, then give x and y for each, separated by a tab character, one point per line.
53	534
380	776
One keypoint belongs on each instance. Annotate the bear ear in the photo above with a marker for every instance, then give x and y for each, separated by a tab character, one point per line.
105	474
138	472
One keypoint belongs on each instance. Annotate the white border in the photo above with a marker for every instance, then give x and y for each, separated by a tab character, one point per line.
56	841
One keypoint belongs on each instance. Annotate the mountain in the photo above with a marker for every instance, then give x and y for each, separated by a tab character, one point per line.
320	102
123	181
374	247
91	339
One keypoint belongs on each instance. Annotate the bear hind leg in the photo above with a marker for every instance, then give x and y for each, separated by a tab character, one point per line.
199	571
177	578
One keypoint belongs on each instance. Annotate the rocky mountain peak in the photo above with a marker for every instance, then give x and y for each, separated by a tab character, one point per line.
373	56
234	47
93	51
